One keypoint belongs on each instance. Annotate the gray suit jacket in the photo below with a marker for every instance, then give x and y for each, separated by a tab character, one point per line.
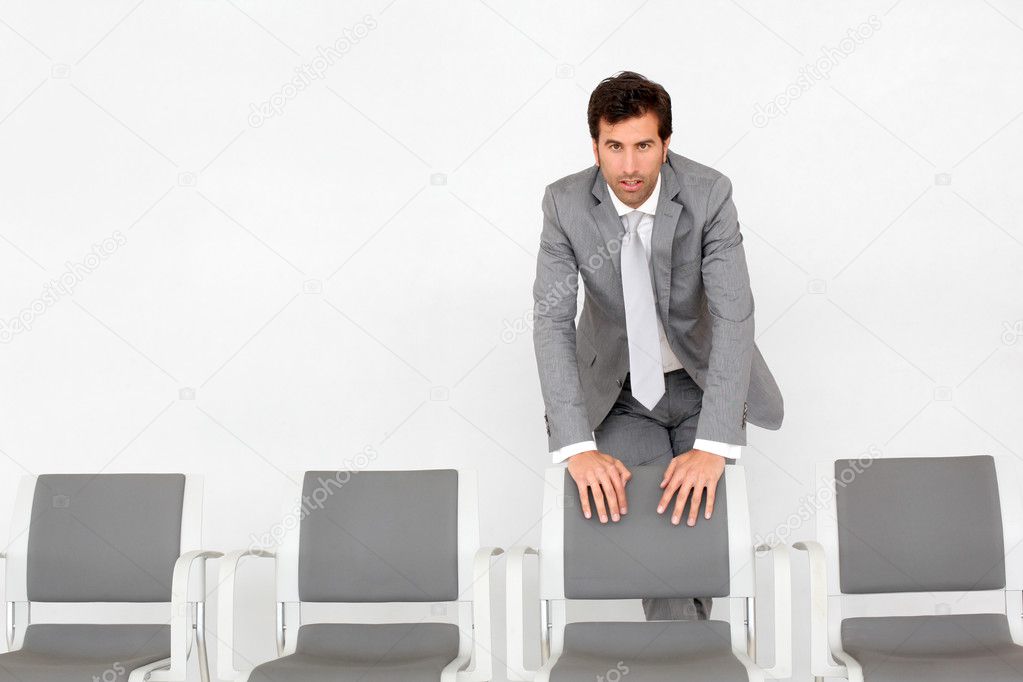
702	293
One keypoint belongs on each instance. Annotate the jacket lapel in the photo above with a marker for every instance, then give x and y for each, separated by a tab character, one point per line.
608	223
669	211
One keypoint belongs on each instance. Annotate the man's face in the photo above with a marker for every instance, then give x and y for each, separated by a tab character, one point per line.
629	154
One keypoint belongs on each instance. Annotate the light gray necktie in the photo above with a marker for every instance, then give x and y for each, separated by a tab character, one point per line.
645	368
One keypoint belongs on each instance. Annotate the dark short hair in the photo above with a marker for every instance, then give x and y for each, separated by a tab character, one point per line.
625	95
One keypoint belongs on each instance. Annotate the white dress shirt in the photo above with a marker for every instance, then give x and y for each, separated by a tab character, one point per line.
668	358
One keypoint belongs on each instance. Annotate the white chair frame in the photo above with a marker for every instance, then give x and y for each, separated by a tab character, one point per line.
188	590
741	598
827	657
474	661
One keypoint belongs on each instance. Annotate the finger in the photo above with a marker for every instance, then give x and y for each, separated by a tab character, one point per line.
694	508
584	497
615	474
626	476
669	491
680	501
711	490
598	498
609	493
668	472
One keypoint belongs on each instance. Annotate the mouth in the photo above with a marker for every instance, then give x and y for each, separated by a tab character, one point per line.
631	185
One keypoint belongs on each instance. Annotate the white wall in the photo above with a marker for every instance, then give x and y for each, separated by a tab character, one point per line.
288	290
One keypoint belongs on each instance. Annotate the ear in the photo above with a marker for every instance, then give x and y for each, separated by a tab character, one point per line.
667	141
596	156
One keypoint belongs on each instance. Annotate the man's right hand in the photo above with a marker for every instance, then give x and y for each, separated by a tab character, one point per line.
606	477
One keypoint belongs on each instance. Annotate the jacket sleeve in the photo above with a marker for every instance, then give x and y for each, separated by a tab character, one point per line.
554	335
730	303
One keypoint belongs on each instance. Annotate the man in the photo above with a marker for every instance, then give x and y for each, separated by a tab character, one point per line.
663	369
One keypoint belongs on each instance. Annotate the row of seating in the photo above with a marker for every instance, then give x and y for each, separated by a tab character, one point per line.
400	550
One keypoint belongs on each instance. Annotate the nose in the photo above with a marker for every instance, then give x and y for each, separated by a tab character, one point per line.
629	164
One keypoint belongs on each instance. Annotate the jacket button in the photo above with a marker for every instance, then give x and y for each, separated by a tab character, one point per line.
619	382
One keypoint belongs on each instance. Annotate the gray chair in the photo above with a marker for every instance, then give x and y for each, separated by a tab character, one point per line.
645	555
399	550
932	530
93	564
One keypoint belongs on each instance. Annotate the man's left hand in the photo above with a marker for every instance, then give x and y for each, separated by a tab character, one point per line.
691	472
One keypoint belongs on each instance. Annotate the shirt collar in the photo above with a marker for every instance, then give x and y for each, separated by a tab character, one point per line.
649	206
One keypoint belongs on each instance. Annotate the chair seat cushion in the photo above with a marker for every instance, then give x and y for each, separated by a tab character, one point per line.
367	652
975	646
648	651
77	652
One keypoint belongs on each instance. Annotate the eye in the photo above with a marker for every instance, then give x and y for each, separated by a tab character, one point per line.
615	146
644	145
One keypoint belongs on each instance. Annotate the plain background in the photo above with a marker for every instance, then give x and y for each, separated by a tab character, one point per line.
352	273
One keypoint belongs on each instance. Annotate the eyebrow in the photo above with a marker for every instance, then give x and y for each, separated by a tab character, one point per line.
612	141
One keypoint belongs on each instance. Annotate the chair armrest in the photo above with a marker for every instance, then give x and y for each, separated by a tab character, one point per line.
1014	613
225	610
782	668
481	668
8	630
180	635
820	650
514	621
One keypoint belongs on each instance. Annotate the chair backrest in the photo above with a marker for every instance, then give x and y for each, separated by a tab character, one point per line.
104	537
379	536
919	524
644	554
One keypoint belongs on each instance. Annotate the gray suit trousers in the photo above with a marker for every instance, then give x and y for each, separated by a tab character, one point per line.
636	435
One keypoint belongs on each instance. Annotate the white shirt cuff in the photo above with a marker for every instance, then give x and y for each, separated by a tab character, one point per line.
713	446
561	454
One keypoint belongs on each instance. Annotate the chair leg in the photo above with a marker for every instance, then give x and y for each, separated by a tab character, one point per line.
200	641
751	628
